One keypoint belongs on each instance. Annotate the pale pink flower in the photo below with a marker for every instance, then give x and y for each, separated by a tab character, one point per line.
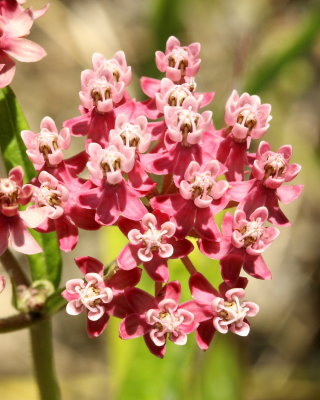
158	318
185	124
221	311
270	171
46	147
174	95
100	90
111	162
13	223
200	197
133	132
15	24
117	65
243	241
246	116
179	61
58	210
152	243
97	295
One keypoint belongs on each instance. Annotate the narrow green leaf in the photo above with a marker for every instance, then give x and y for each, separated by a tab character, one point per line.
46	265
301	42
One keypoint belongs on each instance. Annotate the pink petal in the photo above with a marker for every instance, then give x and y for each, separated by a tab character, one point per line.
89	264
157	268
67	234
8	71
21	240
4	234
133	326
256	267
150	86
95	328
201	289
171	290
24	50
181	248
128	258
123	279
206	225
140	301
231	266
158	351
204	334
287	194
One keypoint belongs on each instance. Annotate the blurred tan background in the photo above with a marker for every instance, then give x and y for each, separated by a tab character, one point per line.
269	47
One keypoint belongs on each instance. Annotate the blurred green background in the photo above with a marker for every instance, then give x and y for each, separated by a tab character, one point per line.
267	47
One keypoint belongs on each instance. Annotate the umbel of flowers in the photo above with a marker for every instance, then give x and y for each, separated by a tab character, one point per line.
130	147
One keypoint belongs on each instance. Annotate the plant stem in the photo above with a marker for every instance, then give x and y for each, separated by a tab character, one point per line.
18	321
13	268
188	264
43	362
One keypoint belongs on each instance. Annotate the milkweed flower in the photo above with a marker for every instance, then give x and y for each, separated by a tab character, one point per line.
15	25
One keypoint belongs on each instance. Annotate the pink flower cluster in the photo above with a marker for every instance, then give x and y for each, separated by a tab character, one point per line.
160	171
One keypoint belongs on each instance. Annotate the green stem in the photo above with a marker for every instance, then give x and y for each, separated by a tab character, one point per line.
43	362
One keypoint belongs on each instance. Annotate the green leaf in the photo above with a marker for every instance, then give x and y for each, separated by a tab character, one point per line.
301	42
46	265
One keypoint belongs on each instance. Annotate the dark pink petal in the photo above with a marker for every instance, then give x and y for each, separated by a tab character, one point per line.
204	334
140	180
89	264
241	282
140	301
133	326
257	197
95	328
79	126
157	268
213	249
128	258
77	163
201	289
206	225
8	70
181	248
123	279
109	208
171	290
84	218
67	234
256	267
276	216
158	351
134	208
90	198
226	226
4	235
231	266
119	306
126	225
287	194
200	311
